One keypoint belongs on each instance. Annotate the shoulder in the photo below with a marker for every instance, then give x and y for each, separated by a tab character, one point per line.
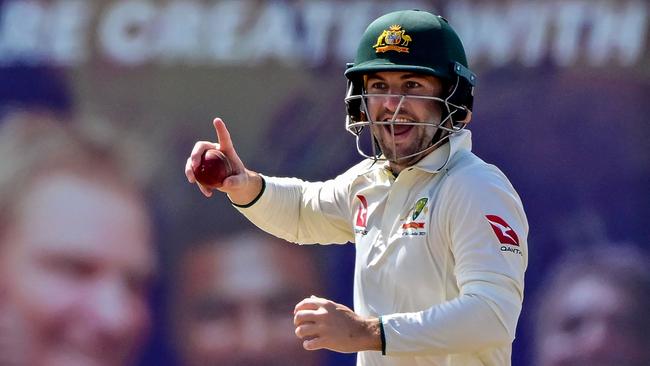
470	182
474	189
361	174
365	169
468	171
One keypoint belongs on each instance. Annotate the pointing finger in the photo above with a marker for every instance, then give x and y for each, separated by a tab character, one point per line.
226	146
222	134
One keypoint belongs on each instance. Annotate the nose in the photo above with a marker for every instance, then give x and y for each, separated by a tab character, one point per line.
254	330
391	103
111	309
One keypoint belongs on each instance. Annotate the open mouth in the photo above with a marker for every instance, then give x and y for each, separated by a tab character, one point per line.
399	129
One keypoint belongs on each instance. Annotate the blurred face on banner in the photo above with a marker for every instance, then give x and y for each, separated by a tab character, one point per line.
235	303
592	322
76	262
76	254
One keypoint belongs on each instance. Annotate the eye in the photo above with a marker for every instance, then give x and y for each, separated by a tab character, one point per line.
572	324
412	84
280	302
71	267
377	86
213	309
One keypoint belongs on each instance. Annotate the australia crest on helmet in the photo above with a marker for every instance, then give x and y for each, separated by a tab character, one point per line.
393	39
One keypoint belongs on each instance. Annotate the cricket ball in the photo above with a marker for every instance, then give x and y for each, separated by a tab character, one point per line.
214	168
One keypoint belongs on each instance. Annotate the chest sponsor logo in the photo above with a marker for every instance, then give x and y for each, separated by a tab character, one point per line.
504	233
361	221
412	226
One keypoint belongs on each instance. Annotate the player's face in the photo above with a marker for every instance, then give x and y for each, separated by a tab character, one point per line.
237	305
404	140
592	323
74	269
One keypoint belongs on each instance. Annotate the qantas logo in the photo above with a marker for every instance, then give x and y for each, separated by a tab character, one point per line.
362	215
502	230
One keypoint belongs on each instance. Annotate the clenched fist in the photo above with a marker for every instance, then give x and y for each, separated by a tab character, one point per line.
322	323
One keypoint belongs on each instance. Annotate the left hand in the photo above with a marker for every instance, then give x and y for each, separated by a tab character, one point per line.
322	323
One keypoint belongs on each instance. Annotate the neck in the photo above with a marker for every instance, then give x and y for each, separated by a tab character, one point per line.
397	166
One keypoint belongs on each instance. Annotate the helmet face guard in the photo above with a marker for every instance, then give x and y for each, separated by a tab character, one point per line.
417	42
455	117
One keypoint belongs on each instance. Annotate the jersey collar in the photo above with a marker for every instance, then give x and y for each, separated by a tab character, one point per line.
438	158
435	160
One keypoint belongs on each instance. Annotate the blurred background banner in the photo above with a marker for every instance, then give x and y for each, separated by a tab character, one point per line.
561	106
131	33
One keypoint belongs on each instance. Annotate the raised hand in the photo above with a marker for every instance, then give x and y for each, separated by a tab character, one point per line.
243	185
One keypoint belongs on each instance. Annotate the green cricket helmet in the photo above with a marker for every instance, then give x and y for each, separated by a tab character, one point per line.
418	42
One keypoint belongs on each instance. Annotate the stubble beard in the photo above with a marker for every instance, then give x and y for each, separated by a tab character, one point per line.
420	142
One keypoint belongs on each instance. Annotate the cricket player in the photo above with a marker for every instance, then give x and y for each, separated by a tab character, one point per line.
440	235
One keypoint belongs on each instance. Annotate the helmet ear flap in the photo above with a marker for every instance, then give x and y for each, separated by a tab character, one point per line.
463	96
353	105
353	102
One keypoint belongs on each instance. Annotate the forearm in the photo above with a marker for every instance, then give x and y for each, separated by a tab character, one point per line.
296	211
467	323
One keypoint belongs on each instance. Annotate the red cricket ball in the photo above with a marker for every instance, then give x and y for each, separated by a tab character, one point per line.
214	168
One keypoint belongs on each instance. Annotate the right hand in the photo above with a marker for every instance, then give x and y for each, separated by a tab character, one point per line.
243	185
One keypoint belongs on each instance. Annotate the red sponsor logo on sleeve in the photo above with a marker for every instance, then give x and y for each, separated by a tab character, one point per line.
362	212
503	230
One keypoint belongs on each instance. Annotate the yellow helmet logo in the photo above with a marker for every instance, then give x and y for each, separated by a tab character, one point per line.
393	39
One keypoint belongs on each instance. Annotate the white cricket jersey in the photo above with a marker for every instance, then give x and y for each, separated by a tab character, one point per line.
440	251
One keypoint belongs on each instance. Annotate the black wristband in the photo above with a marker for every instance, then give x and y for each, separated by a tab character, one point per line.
259	195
